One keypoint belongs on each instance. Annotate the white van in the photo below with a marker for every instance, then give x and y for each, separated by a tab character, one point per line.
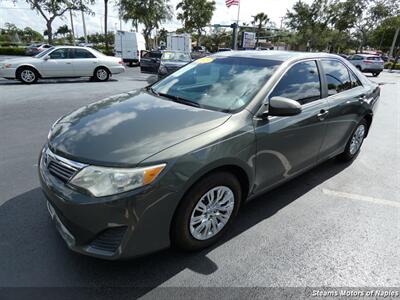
179	42
128	46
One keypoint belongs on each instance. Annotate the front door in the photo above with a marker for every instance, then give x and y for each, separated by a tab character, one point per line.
58	64
289	145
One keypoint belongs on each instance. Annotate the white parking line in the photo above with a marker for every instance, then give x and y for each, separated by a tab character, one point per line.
362	198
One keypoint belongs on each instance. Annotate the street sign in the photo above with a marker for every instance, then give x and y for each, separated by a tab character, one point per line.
248	40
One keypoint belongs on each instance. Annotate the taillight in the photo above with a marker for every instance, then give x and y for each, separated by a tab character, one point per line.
367	62
120	62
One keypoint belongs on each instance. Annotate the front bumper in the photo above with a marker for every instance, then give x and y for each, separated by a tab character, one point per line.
7	72
115	227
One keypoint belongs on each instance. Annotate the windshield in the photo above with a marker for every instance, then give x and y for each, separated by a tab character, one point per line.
45	52
96	52
219	83
177	56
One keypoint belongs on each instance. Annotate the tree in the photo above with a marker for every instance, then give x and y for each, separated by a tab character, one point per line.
52	9
150	13
195	15
261	20
63	30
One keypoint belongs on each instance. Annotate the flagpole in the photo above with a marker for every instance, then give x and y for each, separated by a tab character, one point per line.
237	27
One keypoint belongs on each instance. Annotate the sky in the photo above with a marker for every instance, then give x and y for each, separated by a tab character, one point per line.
22	16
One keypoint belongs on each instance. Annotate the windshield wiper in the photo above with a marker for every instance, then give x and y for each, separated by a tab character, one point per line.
178	99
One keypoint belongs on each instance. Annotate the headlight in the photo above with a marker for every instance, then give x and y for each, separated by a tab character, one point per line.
162	70
102	181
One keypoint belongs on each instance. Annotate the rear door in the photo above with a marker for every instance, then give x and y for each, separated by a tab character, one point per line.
345	94
59	64
289	145
84	62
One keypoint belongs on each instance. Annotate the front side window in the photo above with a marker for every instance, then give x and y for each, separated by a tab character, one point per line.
300	83
82	53
218	83
354	80
337	76
59	54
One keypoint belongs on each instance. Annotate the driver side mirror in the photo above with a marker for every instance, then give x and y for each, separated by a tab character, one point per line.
281	106
46	57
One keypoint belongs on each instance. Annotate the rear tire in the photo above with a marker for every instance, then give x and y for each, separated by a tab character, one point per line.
101	74
355	142
27	75
206	211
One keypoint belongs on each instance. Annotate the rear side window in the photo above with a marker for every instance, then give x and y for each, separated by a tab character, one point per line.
82	53
337	76
300	83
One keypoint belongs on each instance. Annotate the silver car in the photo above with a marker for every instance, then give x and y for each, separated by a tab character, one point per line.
367	63
62	61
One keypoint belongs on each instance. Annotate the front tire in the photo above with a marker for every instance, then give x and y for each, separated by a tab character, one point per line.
353	145
375	74
206	211
27	75
101	74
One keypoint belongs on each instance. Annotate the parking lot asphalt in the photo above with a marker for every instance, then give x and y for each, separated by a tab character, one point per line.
337	225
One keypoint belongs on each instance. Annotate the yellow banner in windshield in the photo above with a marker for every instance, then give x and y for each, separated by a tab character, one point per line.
205	60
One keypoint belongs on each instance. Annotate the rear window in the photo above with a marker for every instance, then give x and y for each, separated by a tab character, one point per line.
373	58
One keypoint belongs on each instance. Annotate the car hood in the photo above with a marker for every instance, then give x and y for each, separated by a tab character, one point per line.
174	63
126	129
19	60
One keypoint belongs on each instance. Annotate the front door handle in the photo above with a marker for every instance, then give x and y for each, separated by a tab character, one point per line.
322	114
68	63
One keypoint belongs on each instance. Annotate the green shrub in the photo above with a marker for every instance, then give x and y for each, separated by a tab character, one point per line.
12	51
388	65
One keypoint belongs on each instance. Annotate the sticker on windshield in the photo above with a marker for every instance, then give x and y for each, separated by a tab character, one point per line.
205	60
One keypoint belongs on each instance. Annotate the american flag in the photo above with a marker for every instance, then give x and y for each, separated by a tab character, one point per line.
229	3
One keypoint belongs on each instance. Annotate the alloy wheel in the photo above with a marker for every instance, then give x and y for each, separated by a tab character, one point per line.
357	139
212	212
101	74
28	76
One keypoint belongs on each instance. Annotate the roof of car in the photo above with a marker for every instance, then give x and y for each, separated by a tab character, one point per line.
366	54
74	47
274	54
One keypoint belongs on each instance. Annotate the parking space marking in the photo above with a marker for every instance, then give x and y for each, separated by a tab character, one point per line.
362	198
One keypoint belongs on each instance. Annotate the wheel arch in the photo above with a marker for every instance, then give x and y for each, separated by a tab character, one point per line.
27	66
102	66
368	118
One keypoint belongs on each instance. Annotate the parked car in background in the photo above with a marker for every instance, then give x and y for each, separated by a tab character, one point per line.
172	61
36	48
172	164
367	63
224	49
62	61
150	61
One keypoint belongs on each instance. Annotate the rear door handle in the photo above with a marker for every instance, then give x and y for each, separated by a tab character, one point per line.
322	114
68	63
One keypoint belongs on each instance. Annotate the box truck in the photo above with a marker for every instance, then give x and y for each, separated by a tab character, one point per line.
179	42
128	46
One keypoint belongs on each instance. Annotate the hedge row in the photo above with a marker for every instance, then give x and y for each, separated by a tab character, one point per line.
12	51
388	65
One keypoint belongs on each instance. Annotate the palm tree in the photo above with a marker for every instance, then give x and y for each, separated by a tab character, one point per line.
260	19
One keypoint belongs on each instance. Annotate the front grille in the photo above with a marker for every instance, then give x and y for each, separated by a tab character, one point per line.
61	171
172	69
60	167
109	240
